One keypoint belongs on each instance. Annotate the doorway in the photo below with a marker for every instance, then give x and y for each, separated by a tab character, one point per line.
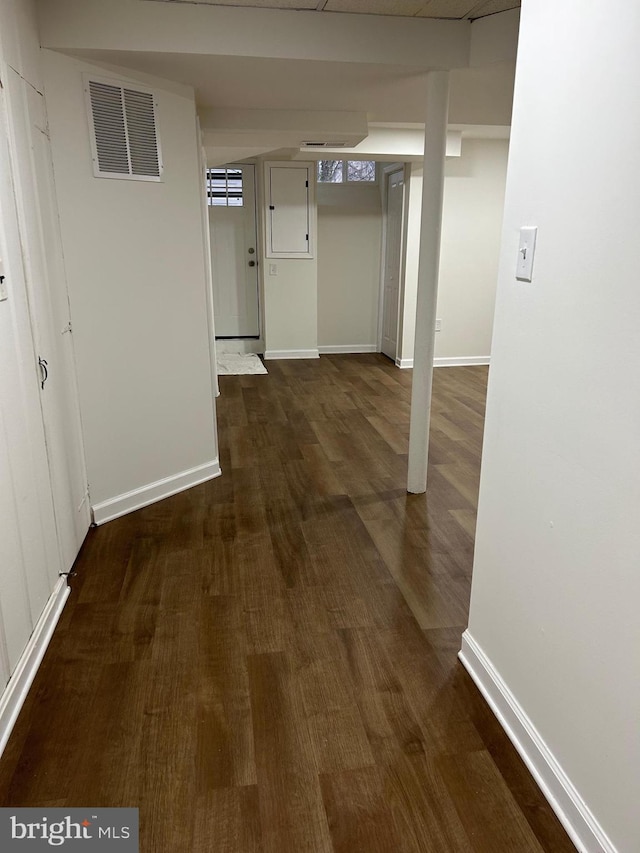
392	262
231	198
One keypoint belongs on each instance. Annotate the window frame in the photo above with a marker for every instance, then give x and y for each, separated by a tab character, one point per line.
226	169
345	172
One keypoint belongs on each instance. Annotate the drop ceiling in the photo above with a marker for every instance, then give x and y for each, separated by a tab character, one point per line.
452	9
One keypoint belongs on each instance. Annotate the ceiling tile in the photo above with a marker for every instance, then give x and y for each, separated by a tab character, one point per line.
490	7
260	4
404	8
456	9
447	8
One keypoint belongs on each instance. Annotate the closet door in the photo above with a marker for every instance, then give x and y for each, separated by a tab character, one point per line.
29	555
290	214
49	311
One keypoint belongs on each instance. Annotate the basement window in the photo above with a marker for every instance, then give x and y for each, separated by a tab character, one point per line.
346	171
224	188
123	131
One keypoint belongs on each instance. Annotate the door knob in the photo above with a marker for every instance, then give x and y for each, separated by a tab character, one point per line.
252	263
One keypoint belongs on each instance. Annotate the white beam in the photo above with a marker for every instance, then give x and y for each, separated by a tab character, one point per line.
207	30
435	145
393	144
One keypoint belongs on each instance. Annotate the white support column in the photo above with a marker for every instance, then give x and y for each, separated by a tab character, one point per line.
435	146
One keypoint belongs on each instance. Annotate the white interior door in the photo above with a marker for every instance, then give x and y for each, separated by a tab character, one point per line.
232	218
49	312
392	259
29	555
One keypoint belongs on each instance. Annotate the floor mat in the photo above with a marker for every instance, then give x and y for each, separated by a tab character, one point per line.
235	364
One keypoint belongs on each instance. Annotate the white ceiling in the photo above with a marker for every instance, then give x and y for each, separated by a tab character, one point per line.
385	92
452	9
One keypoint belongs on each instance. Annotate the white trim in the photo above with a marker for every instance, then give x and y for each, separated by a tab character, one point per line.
574	814
347	348
387	171
272	354
208	267
462	361
456	361
404	363
153	492
21	680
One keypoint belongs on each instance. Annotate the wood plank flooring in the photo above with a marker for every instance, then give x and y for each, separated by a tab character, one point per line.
267	663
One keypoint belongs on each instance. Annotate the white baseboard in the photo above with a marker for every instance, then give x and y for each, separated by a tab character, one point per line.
462	361
153	492
18	686
572	811
272	354
458	361
337	349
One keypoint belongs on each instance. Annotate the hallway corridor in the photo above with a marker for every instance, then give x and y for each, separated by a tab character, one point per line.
267	663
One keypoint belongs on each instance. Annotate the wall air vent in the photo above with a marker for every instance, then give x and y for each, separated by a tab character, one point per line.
124	134
323	144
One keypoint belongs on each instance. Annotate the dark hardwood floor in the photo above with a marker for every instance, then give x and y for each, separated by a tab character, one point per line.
267	662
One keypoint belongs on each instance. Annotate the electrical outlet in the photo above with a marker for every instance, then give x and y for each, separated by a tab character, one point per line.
273	269
438	325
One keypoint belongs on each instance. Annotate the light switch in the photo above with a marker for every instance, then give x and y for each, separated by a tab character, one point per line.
526	251
273	269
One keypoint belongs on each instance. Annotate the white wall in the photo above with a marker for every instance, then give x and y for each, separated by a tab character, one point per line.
471	227
290	309
136	264
290	297
470	247
556	585
349	231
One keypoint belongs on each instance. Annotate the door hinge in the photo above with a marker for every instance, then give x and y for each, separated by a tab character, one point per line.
306	183
307	238
67	575
272	207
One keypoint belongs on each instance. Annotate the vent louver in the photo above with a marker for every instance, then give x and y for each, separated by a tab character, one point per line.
124	133
323	144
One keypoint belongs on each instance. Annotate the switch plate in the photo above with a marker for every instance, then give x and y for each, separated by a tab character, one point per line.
3	289
273	269
438	325
526	252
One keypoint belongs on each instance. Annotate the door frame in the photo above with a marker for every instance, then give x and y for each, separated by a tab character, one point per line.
219	340
384	184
